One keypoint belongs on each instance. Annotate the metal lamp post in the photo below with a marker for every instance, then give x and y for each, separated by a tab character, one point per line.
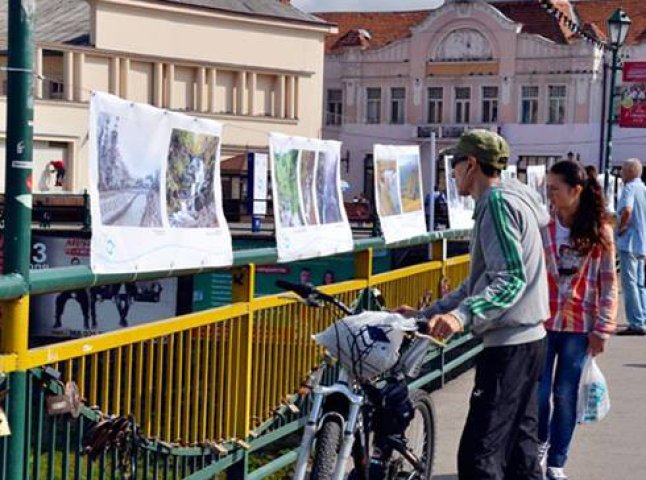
618	25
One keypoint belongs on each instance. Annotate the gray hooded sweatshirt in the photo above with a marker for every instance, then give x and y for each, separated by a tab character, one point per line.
505	298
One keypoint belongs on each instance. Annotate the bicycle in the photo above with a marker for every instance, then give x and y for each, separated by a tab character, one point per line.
363	429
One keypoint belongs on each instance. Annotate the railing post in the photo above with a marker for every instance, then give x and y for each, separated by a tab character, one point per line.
363	265
243	290
18	201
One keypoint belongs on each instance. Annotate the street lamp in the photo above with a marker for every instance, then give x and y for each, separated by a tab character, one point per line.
618	25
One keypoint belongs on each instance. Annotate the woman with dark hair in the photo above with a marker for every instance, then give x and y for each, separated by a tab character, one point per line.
580	260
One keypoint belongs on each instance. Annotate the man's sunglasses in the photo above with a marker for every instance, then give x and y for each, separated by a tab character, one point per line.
457	159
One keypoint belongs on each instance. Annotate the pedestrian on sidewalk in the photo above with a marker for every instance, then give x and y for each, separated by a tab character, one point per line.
580	260
631	243
505	302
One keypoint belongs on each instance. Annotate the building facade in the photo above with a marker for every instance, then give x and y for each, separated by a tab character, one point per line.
255	66
509	66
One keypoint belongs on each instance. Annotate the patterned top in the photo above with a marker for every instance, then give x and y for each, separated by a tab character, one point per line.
583	288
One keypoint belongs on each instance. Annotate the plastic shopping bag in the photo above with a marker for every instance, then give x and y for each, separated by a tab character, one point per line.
594	401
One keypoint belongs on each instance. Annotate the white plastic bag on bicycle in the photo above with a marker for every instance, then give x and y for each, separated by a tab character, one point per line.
593	401
366	344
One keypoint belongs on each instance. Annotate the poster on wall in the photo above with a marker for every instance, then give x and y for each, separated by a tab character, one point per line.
98	309
308	205
155	188
398	192
461	208
537	180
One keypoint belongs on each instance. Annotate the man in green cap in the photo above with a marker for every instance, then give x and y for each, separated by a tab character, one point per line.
504	301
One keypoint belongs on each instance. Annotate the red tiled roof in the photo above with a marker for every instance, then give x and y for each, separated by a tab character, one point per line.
383	27
597	12
536	20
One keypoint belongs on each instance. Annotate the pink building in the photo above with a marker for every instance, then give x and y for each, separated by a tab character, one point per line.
395	77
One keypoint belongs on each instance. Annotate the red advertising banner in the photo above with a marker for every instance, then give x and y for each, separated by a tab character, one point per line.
632	113
634	72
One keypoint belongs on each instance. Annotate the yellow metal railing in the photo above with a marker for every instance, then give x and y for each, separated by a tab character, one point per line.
215	375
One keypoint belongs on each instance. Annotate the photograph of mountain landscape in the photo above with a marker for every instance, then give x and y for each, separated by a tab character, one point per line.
190	194
286	196
307	171
128	187
409	182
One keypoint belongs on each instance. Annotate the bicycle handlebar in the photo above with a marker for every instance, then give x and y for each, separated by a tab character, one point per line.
312	293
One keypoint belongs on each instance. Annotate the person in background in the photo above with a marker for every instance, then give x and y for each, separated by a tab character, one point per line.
592	173
305	276
505	302
328	277
580	261
631	244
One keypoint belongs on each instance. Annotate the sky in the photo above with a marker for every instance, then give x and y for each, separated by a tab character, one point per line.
364	5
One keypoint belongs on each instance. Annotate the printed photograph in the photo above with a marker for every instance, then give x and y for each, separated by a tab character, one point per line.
190	193
387	188
286	196
307	170
409	183
327	189
128	186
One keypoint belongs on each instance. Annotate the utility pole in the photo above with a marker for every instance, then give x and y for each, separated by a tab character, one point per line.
17	211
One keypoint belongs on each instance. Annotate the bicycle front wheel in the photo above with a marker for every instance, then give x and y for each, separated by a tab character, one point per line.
328	442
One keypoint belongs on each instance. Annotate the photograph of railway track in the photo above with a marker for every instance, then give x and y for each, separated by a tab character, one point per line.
128	188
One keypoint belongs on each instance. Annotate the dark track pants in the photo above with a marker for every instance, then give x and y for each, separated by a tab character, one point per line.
500	440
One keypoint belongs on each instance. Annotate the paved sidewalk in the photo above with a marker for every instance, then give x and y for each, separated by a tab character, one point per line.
612	449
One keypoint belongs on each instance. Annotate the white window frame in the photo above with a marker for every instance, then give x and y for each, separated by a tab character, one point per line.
463	101
537	103
439	106
401	117
334	117
375	100
492	101
563	101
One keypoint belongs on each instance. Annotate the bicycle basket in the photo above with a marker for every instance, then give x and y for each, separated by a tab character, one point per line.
366	344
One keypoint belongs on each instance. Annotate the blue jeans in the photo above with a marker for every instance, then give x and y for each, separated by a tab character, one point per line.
560	383
632	282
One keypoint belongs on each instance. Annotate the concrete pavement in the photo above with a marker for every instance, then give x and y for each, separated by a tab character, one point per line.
612	449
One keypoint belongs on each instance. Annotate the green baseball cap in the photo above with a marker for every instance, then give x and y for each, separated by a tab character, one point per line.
486	146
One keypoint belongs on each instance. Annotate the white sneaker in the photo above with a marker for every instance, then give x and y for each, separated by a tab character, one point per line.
556	473
543	448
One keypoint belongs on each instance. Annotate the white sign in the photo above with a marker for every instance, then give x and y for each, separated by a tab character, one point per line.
260	166
461	208
155	188
510	173
308	207
537	180
614	190
398	192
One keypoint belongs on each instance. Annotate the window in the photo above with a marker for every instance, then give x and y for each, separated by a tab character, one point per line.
557	94
56	90
373	105
397	105
529	105
462	104
489	104
435	95
334	110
